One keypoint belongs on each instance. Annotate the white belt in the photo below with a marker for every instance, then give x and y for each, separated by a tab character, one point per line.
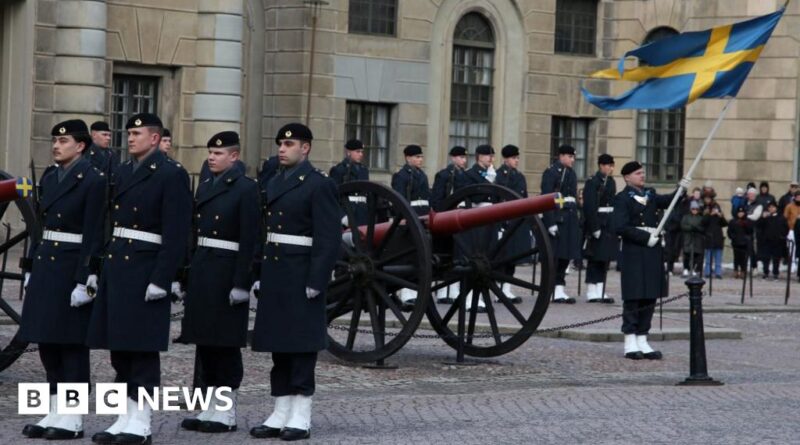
294	240
420	203
137	235
650	230
605	210
483	204
63	237
568	198
217	244
357	199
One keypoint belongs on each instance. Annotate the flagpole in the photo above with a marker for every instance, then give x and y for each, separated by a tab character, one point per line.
688	175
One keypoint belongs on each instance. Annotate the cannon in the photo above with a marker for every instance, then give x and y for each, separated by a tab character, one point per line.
16	191
387	247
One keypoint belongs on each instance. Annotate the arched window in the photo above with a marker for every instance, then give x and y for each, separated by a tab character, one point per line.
660	133
471	92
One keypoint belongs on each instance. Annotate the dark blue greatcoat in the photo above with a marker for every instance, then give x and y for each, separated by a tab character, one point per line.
599	191
513	180
154	198
303	204
447	181
642	267
226	210
412	184
104	159
347	171
75	205
567	243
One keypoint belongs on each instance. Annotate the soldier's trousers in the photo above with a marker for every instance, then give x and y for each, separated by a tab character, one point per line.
637	316
561	271
596	271
220	366
138	369
64	364
292	373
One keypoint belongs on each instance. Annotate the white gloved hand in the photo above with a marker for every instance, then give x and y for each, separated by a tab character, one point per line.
653	241
27	278
500	234
154	293
254	291
238	295
596	234
553	230
177	290
311	293
790	236
685	183
91	284
491	174
79	296
345	222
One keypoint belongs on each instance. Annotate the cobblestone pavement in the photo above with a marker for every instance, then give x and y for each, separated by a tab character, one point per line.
547	391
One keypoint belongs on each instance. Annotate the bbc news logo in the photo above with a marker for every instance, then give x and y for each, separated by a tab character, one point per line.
110	398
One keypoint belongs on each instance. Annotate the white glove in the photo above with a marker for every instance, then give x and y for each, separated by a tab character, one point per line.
596	234
177	290
653	240
238	295
91	284
311	293
790	236
27	278
500	234
79	296
491	174
345	222
553	230
254	291
685	183
154	293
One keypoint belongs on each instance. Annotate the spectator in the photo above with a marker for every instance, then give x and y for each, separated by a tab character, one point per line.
738	201
708	190
754	212
764	197
713	222
693	233
772	246
792	211
788	197
740	232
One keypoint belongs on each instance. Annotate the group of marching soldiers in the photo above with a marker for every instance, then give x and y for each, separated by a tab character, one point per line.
116	236
114	244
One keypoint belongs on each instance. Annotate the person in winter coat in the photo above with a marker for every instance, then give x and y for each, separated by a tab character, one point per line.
773	243
713	222
740	232
764	196
693	233
754	211
738	201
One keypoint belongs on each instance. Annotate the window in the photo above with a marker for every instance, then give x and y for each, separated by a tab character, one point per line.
130	95
369	123
660	134
574	132
372	17
576	26
471	94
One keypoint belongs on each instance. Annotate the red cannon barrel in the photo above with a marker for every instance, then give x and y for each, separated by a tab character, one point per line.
17	188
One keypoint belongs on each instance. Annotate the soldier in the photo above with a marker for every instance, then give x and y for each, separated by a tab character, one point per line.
563	224
509	176
165	145
151	216
226	218
351	169
55	313
225	137
601	241
99	153
411	182
302	246
635	218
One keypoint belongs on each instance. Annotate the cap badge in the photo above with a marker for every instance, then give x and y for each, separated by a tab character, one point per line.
62	130
219	142
288	134
137	122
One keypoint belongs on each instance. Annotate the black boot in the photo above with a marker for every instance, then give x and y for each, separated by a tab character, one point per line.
265	432
292	434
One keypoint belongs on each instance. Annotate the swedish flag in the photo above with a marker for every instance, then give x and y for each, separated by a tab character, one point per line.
678	70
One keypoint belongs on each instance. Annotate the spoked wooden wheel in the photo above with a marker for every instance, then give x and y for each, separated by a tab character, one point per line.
481	263
385	249
12	347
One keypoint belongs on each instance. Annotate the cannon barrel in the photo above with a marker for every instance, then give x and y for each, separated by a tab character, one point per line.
16	188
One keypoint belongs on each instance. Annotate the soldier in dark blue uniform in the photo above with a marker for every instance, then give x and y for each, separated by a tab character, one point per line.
563	223
635	219
602	243
165	145
302	245
151	216
351	169
55	313
510	177
227	227
482	171
100	153
412	183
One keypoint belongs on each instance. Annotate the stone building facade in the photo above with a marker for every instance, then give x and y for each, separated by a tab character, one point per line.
393	72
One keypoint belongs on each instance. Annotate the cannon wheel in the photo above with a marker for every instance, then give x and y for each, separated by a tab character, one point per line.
369	274
14	347
479	264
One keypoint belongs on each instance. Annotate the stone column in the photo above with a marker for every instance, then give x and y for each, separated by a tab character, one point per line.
79	71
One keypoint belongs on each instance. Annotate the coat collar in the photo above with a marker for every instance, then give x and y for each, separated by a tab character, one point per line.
58	189
208	190
277	187
150	165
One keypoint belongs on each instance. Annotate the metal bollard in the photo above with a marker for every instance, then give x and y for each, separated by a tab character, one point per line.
698	367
